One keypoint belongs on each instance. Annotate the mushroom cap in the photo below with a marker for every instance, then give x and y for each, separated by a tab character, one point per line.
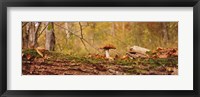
107	47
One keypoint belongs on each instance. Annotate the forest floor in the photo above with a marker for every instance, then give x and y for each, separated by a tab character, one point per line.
63	64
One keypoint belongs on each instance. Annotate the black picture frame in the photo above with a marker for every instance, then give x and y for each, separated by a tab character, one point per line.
99	3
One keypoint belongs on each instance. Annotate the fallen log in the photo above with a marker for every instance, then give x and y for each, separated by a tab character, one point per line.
137	52
137	49
136	55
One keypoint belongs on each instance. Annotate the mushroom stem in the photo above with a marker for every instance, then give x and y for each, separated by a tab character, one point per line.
107	53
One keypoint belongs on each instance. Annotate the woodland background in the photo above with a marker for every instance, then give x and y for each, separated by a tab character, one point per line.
81	38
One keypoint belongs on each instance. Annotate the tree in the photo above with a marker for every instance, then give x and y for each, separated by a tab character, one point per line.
69	29
50	37
164	32
113	28
32	29
24	35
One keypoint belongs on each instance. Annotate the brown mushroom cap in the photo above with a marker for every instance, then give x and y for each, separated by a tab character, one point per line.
107	47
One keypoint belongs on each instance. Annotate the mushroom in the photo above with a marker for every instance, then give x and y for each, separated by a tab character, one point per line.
107	48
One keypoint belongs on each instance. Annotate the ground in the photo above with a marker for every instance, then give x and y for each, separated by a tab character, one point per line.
64	64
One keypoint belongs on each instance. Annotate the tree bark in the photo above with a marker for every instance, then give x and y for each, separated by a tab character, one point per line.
113	28
31	35
24	36
37	25
165	33
68	31
137	49
123	27
50	37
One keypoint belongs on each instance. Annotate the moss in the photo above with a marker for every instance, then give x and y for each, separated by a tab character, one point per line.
124	62
172	61
32	52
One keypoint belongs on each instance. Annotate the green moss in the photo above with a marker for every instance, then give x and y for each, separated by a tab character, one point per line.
50	26
124	62
32	52
172	61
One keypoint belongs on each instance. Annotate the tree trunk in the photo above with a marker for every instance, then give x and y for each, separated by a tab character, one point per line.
67	26
113	28
31	35
50	37
123	27
24	37
164	32
37	25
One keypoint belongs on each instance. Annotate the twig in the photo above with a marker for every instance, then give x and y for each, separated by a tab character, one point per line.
42	31
81	30
116	38
76	36
24	24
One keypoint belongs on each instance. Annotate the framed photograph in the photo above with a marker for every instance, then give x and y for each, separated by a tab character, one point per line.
99	48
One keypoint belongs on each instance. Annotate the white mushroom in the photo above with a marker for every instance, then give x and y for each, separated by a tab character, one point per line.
106	49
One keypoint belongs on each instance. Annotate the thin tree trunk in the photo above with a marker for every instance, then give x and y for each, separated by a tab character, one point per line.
67	26
165	33
123	27
113	28
24	36
37	25
50	37
31	35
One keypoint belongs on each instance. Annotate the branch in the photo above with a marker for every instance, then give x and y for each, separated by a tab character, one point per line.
81	30
76	36
24	24
42	30
116	38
